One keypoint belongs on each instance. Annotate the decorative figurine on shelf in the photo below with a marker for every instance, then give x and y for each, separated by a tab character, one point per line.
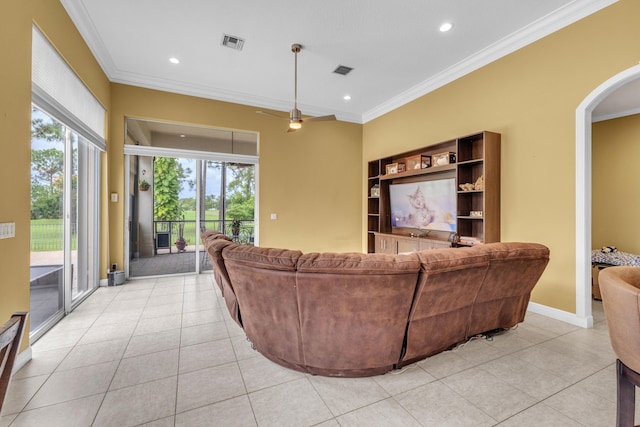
479	185
466	187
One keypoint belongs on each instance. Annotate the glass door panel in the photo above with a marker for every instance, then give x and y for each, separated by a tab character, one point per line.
47	220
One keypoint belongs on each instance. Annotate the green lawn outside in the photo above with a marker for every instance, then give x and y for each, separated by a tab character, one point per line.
47	234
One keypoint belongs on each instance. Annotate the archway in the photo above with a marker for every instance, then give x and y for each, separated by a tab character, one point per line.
583	189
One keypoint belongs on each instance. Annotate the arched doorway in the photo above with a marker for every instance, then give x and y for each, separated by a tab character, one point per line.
583	188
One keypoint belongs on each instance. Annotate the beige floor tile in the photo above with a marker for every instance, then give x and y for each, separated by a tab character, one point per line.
444	364
195	318
206	355
20	392
91	354
207	386
138	404
407	378
155	300
162	310
151	343
437	405
479	350
6	420
540	415
232	327
386	413
558	363
259	373
164	422
53	339
583	406
294	404
77	321
145	368
531	333
554	326
42	362
493	396
158	324
74	413
203	333
166	288
342	395
142	294
243	349
118	316
201	301
229	413
73	384
108	332
526	377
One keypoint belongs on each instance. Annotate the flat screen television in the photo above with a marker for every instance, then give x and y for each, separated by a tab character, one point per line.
425	205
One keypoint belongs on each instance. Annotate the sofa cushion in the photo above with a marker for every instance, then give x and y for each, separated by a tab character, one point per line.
502	301
264	281
447	287
353	310
214	242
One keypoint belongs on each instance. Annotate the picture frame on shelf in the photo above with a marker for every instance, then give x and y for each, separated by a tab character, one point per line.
392	168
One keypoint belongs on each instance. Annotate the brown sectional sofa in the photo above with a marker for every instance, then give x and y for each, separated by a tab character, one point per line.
352	314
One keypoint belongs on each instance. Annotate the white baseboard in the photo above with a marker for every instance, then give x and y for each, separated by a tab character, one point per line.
104	282
21	359
564	316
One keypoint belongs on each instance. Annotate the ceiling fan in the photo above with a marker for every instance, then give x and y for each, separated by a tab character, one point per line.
295	115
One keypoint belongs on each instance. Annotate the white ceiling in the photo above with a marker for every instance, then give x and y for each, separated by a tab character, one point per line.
395	48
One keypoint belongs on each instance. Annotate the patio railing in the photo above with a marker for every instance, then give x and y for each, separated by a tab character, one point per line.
167	232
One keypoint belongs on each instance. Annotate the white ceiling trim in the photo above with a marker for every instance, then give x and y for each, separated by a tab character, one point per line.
529	34
151	82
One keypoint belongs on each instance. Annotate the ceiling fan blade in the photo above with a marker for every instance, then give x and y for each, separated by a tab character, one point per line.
319	118
270	114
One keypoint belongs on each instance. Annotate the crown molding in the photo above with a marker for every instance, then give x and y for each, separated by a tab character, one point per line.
179	87
544	26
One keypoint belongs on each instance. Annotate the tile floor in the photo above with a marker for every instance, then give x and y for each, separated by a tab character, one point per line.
164	352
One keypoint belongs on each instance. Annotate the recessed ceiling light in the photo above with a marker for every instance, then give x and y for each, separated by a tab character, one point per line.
347	97
446	27
174	60
182	135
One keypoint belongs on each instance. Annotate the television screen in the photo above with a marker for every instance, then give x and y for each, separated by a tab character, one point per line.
426	205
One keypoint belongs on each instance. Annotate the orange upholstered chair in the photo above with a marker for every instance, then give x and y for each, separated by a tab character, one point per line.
620	288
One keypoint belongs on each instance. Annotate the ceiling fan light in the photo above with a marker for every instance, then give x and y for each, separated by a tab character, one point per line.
295	125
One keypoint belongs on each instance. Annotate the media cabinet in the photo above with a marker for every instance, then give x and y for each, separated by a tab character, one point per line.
477	211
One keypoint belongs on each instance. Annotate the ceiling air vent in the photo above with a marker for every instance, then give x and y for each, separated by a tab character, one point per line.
232	41
342	70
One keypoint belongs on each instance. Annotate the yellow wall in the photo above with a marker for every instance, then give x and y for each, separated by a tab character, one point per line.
17	17
309	178
530	97
313	179
616	150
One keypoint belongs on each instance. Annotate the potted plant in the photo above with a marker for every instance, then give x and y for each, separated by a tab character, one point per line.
181	243
143	185
235	227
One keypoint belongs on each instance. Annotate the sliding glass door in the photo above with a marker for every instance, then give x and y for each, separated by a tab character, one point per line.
64	171
182	197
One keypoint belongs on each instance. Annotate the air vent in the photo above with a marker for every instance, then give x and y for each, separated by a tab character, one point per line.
342	70
232	41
